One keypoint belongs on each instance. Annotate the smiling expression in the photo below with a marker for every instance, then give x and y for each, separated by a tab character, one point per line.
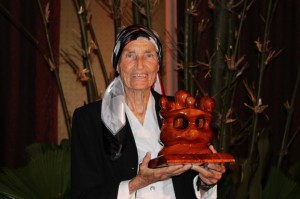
138	64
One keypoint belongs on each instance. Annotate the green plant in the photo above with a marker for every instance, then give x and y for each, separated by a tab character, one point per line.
46	175
282	185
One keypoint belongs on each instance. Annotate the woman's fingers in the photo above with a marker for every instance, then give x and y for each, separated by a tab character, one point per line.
146	160
210	173
212	148
156	174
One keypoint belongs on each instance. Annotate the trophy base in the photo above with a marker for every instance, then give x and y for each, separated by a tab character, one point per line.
166	160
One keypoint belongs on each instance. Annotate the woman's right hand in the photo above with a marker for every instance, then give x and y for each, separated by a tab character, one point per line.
148	176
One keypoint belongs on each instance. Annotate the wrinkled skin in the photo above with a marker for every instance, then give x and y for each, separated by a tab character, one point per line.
138	67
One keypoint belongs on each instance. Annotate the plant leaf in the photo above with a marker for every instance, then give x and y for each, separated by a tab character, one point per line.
255	189
47	174
279	185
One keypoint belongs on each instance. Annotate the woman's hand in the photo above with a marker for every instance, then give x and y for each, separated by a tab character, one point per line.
148	176
210	173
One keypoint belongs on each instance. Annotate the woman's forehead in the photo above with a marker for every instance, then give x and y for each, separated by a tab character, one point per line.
140	44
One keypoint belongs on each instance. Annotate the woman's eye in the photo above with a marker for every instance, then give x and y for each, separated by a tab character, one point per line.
150	55
130	55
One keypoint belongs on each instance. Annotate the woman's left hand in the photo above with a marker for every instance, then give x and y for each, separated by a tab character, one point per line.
210	173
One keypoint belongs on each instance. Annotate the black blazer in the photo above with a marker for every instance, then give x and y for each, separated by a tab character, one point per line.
95	170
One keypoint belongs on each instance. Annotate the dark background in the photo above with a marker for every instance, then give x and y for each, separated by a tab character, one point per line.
27	86
29	92
279	77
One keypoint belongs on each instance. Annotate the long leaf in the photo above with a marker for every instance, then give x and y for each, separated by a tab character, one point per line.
47	174
279	185
255	189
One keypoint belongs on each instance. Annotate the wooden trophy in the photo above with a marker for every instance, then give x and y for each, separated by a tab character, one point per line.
186	131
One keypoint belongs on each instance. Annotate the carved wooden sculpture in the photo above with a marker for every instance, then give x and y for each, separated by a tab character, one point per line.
186	131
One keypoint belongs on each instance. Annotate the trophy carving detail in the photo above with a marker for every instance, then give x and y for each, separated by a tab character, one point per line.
186	131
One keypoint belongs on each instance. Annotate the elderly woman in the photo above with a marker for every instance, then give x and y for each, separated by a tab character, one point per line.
114	139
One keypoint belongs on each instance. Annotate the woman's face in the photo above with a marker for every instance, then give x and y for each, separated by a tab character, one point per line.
138	64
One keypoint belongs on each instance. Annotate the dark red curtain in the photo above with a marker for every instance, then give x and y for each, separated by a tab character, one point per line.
280	75
29	94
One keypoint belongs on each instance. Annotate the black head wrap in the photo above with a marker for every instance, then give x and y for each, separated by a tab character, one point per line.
131	33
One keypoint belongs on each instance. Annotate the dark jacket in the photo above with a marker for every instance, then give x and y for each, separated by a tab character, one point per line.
95	172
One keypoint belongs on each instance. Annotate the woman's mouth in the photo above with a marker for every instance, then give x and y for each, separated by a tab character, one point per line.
139	75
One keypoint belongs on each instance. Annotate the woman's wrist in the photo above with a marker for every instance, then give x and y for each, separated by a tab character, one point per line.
203	186
135	184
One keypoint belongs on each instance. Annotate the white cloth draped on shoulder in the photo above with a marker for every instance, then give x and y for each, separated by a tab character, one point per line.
113	110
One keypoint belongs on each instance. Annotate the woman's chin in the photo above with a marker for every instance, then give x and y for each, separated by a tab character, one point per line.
140	85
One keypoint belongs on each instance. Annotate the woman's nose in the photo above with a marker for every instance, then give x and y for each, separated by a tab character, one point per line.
139	63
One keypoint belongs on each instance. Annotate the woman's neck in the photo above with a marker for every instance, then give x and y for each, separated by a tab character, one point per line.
137	101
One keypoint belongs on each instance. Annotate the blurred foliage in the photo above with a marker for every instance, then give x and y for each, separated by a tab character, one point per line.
46	175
